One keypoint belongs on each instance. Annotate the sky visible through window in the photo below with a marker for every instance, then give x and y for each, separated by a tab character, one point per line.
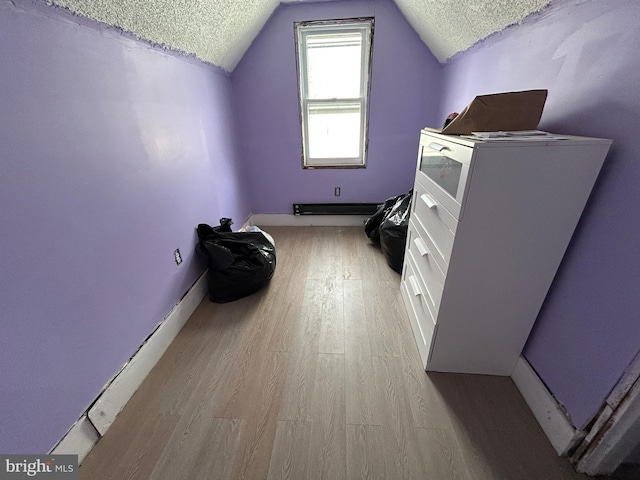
334	70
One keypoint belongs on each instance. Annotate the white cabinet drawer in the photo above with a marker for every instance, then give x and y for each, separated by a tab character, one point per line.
485	238
457	151
443	167
439	224
422	323
421	250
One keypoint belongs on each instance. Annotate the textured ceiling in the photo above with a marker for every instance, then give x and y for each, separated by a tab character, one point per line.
220	31
452	26
215	31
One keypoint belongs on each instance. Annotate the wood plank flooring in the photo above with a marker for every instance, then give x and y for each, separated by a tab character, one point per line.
318	377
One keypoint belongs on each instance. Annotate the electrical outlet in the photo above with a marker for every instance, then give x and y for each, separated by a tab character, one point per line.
177	257
336	191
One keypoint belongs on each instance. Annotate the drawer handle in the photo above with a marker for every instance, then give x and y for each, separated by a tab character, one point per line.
430	202
438	147
416	289
421	246
414	286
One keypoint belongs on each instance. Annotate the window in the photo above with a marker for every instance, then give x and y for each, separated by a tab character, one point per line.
333	79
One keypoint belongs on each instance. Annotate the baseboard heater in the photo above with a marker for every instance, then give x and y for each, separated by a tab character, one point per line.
335	208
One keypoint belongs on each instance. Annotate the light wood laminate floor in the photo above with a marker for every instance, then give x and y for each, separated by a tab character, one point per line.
318	377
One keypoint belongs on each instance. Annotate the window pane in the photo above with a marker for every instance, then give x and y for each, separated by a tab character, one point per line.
334	131
334	65
333	78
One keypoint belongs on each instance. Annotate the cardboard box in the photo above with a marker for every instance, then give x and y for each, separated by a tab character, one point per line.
509	111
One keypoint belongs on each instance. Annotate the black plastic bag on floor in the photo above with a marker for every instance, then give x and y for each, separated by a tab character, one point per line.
240	263
372	226
393	231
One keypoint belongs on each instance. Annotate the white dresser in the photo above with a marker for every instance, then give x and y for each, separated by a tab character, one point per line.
490	223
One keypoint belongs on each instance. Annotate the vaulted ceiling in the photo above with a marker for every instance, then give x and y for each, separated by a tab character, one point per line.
220	31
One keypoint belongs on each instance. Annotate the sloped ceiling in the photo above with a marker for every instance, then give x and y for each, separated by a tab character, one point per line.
215	31
452	26
220	31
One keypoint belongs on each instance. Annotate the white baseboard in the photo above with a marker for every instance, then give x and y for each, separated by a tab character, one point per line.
290	220
79	440
115	396
550	414
614	437
86	432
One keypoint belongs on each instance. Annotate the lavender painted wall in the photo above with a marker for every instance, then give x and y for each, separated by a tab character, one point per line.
586	54
110	152
405	86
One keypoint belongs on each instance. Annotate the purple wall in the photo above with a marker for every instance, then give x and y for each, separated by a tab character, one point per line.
405	86
110	152
586	54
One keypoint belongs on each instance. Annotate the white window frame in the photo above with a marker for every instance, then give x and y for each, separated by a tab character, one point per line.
365	27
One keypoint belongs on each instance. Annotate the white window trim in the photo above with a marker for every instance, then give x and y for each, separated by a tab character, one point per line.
364	26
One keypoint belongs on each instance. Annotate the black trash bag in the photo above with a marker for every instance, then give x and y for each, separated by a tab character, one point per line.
240	263
393	231
372	226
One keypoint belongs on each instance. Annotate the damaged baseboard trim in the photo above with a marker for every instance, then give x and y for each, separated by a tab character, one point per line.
106	408
95	422
79	440
549	413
